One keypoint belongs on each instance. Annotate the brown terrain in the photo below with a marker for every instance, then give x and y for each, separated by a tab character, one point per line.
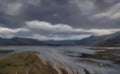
26	63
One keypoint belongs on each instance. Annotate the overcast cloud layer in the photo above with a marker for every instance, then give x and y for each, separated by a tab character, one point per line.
46	31
58	19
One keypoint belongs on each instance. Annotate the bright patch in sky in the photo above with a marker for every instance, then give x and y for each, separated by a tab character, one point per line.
44	31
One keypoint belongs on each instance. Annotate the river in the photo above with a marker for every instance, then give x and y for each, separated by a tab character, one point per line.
68	58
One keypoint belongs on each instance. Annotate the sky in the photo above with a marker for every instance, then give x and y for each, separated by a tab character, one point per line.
58	19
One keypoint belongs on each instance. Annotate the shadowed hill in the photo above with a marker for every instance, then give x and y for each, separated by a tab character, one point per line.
111	40
19	41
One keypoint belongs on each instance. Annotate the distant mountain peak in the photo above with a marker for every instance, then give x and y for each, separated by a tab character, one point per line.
111	40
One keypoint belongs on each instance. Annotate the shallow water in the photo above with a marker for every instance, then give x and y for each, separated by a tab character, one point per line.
62	57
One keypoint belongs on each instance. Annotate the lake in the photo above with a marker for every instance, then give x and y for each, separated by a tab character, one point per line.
76	59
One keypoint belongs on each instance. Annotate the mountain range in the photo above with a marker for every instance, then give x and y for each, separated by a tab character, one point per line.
105	40
19	41
110	40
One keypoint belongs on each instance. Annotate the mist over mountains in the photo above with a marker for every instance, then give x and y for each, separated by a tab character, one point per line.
105	40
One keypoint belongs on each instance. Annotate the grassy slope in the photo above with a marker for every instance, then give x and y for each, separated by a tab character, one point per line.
6	51
24	63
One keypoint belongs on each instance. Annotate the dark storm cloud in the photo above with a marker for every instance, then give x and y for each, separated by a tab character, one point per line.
76	13
10	21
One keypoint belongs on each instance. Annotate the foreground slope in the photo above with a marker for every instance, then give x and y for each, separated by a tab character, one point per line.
25	63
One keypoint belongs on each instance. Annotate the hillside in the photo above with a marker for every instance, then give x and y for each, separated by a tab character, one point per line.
111	40
26	63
